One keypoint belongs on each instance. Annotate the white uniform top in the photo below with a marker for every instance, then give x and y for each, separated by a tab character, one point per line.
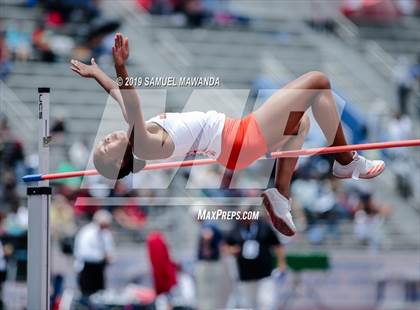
92	245
193	132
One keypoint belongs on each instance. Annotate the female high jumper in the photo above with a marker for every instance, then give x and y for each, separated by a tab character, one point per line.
234	143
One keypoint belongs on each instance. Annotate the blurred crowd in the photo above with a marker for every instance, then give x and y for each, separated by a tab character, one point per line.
195	13
78	29
64	29
407	78
327	210
383	11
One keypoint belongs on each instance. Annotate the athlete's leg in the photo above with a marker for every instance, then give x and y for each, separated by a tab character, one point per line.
285	167
276	200
325	112
282	112
313	89
310	90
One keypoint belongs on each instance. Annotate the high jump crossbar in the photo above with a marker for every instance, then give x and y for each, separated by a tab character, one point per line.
207	161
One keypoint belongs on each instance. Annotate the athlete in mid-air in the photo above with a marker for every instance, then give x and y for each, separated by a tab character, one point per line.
234	143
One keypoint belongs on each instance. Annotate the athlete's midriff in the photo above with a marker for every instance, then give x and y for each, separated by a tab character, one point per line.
242	142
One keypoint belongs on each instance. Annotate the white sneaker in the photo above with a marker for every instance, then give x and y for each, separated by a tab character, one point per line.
359	168
278	208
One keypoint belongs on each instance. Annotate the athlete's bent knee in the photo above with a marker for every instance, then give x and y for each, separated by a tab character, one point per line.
319	80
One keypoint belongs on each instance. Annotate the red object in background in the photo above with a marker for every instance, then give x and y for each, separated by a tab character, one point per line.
146	295
371	10
135	213
54	19
148	4
81	205
164	270
145	4
56	304
38	39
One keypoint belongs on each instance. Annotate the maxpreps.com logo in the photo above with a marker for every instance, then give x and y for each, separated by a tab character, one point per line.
231	102
219	214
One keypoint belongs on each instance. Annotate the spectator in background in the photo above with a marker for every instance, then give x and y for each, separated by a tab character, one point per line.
11	159
209	268
368	220
93	250
5	63
16	223
322	15
163	268
194	12
406	76
2	274
401	163
100	38
318	199
3	262
157	7
63	11
58	127
18	41
210	239
399	127
58	132
41	44
63	229
253	243
63	224
79	154
11	148
129	215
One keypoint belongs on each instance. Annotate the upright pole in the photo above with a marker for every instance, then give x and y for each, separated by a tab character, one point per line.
38	209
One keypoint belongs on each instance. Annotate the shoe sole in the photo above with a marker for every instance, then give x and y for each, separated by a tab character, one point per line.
363	177
277	222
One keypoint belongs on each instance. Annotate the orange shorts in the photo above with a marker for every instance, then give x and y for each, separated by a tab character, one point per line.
242	143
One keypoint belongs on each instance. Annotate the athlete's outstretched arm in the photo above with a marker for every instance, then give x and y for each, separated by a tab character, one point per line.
108	84
151	145
131	100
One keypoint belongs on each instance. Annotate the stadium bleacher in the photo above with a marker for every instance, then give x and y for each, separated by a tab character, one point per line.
235	55
279	46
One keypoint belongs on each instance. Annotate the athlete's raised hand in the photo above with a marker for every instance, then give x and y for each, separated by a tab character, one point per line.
120	50
84	70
